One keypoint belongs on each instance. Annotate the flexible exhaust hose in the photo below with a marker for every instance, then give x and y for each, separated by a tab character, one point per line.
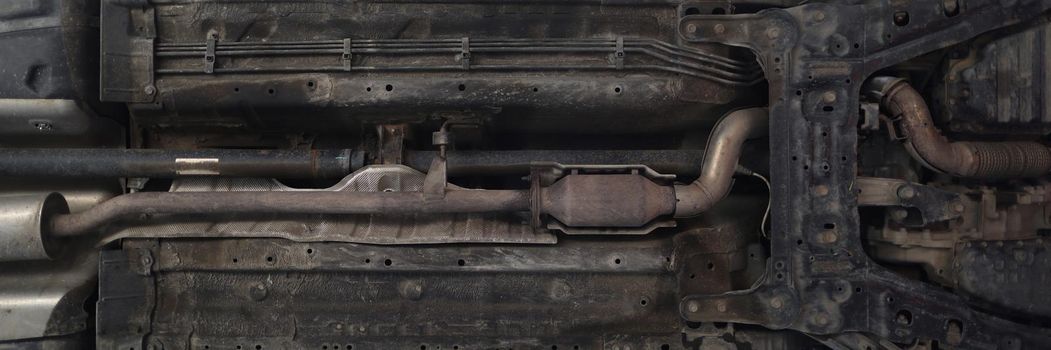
720	161
925	142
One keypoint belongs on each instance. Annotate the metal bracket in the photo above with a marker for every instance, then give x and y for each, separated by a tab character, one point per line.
347	54
618	53
933	204
209	55
465	53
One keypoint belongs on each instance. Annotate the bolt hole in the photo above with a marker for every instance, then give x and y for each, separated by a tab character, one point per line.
388	262
310	84
901	18
780	276
461	87
616	261
692	276
237	89
903	317
310	251
536	89
799	242
270	259
235	260
271	91
368	261
643	302
617	89
799	92
257	347
461	262
368	89
389	87
711	266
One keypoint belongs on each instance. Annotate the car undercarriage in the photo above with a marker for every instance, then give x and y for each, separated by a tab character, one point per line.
525	174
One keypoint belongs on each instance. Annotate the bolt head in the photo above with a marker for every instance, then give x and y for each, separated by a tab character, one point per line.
776	303
906	192
693	306
828	97
773	33
719	29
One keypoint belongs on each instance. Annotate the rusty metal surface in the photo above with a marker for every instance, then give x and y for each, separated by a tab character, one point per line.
375	229
816	56
1006	274
964	159
280	294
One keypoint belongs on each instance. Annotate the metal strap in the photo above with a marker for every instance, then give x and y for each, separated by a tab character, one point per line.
209	56
347	55
618	53
465	53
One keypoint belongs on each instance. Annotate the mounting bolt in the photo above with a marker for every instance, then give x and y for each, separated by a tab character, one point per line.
149	90
693	306
819	16
721	306
899	214
957	207
773	33
906	192
901	18
692	28
821	190
776	303
719	29
820	319
828	97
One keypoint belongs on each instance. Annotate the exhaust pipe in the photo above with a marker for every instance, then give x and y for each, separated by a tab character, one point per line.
587	200
163	163
720	161
990	160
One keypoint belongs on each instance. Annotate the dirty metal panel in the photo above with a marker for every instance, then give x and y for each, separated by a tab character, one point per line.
1006	274
272	293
